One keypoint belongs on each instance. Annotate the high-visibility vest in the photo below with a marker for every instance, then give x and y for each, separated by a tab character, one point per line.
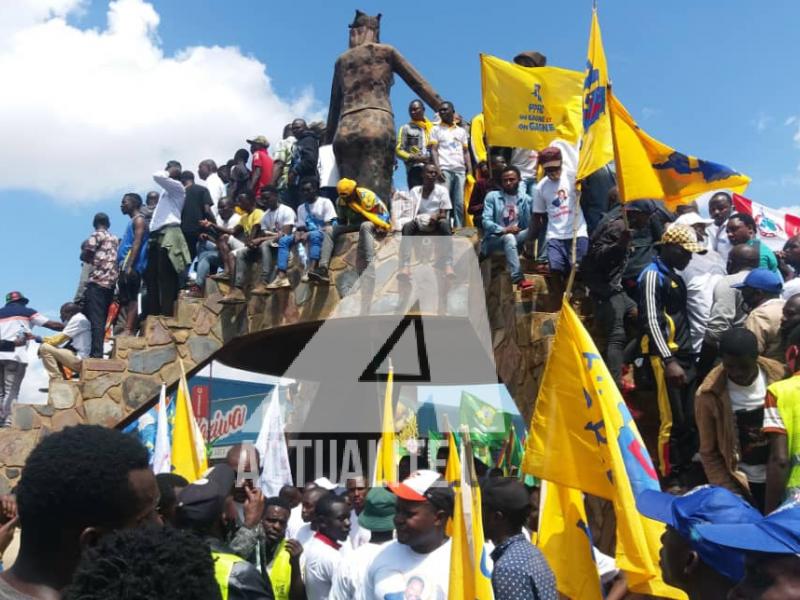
223	565
280	572
787	398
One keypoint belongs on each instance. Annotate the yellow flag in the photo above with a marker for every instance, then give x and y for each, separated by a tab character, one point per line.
188	447
583	436
386	464
566	542
647	168
529	107
597	148
469	572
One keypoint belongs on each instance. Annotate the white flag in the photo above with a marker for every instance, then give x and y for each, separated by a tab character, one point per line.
162	454
271	445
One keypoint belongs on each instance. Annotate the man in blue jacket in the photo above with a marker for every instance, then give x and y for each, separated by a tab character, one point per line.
506	218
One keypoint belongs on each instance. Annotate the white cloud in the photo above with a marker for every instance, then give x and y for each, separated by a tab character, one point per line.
761	122
649	112
790	121
97	111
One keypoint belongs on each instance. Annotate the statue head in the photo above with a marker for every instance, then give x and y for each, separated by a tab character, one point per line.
365	29
530	59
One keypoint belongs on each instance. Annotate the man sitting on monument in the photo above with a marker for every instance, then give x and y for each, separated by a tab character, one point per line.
431	206
360	209
506	219
316	218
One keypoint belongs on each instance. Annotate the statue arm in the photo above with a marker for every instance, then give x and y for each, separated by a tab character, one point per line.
415	80
335	108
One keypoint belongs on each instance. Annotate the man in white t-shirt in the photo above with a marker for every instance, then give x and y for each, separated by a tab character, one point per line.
449	145
16	320
729	409
419	561
210	179
316	217
208	258
70	346
356	489
431	205
324	552
720	207
556	205
377	518
278	221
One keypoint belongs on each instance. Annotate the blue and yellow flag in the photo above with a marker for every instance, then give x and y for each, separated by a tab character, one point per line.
597	148
566	542
583	436
649	169
188	448
469	572
527	107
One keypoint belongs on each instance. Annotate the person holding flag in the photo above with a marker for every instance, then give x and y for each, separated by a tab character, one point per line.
520	570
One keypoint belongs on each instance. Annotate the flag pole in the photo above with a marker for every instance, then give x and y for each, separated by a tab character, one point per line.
620	182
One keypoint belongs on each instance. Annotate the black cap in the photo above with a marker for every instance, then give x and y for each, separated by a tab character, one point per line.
505	494
202	501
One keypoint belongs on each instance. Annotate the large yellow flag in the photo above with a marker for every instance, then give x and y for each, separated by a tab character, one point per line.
469	572
566	542
649	169
527	107
386	464
583	436
188	447
597	148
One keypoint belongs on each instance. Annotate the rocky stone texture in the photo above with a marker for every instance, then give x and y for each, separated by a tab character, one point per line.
114	390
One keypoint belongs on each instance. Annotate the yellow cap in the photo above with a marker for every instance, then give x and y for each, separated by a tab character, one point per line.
345	187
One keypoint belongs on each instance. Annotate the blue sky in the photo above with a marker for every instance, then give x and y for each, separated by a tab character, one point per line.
709	81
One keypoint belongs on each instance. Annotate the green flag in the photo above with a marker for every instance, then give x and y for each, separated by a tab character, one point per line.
488	426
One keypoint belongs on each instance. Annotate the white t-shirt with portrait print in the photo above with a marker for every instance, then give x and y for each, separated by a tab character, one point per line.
450	141
398	572
558	200
749	397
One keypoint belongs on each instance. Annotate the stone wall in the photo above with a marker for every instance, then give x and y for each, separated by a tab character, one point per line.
111	392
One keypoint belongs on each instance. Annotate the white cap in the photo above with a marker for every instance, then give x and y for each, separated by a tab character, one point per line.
325	483
692	218
415	486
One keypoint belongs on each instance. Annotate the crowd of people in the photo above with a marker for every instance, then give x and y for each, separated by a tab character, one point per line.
697	319
97	524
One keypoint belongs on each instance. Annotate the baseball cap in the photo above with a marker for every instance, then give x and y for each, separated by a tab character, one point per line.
550	157
202	501
704	504
683	236
379	509
692	218
259	139
16	297
425	486
777	533
762	279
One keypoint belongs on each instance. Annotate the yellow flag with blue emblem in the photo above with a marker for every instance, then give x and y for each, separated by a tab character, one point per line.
649	169
188	450
527	107
583	436
469	572
566	542
597	148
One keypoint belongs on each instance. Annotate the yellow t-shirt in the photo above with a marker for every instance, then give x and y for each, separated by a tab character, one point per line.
251	220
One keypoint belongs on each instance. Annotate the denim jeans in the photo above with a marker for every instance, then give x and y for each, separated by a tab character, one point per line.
12	373
315	240
207	261
508	242
454	182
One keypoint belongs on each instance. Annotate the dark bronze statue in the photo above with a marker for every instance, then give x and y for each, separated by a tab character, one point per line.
360	118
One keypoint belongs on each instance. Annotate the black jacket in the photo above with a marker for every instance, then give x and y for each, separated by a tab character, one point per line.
305	155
